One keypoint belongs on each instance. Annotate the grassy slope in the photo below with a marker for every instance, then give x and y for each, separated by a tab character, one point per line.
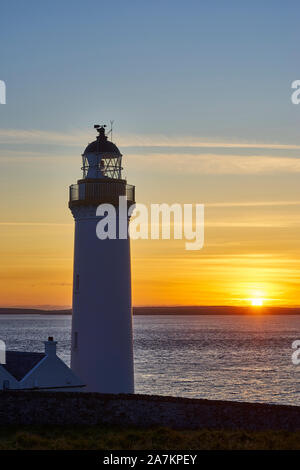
112	438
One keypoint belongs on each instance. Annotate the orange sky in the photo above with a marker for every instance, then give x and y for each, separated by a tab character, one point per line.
252	232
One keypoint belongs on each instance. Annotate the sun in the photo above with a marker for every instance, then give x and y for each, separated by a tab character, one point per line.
257	302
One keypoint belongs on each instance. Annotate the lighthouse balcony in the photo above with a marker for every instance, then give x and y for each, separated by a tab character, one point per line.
91	192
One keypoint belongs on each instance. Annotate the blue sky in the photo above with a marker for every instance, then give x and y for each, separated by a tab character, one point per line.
212	69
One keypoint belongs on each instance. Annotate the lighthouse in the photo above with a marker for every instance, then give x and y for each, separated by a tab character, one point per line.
101	345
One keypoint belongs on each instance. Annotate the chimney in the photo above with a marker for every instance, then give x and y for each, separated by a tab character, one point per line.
50	346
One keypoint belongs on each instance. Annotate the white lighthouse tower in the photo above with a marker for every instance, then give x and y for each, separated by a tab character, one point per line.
102	352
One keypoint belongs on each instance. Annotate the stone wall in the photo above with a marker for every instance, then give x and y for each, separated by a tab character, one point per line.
58	408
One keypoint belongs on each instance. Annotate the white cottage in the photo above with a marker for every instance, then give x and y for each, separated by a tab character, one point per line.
38	371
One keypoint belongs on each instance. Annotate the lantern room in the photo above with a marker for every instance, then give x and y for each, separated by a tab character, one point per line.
102	158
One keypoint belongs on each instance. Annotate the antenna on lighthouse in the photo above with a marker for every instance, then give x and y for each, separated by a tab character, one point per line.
111	130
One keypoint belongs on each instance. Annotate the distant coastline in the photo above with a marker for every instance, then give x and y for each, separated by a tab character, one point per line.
180	310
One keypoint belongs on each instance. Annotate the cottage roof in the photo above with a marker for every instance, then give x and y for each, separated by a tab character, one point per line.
19	363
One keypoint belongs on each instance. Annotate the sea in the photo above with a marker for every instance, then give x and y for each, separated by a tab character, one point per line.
216	357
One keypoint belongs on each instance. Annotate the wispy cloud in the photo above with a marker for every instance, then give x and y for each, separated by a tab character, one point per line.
252	224
79	137
36	136
253	204
35	224
215	163
196	142
11	156
163	160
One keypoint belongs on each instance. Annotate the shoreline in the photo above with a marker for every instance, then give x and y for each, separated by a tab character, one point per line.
183	311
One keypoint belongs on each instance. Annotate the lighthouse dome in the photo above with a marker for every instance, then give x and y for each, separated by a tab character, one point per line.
102	145
99	146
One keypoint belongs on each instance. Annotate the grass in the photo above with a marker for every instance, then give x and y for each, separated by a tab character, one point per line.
115	438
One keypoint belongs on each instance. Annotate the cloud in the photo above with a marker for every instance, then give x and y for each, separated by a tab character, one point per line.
252	224
196	142
253	204
36	136
10	156
214	164
79	137
164	160
35	224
